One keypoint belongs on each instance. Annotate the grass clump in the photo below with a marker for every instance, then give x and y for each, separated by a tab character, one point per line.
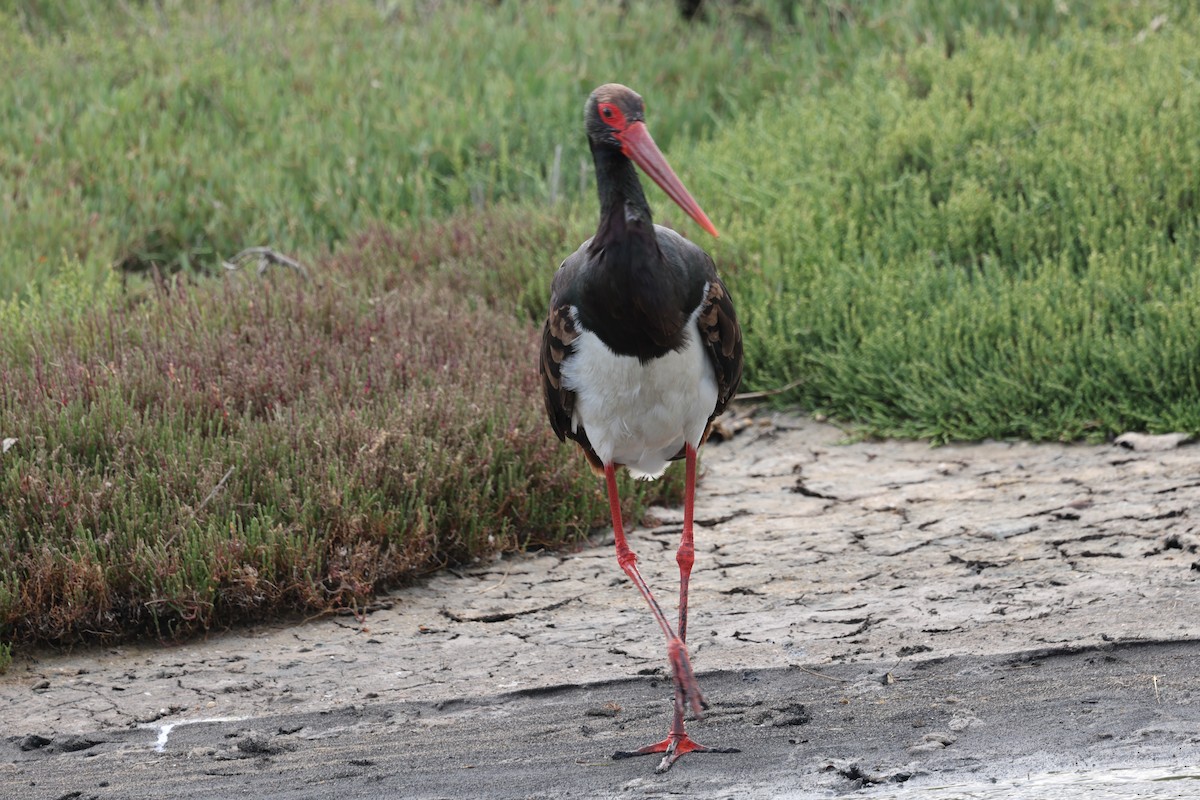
997	243
170	135
241	448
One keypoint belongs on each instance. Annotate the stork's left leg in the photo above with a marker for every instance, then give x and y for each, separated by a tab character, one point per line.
685	556
678	743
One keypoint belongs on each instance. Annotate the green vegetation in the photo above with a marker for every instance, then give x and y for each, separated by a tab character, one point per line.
173	139
242	447
174	134
1002	243
945	219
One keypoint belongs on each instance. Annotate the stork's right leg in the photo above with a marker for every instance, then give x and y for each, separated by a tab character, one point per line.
686	688
677	743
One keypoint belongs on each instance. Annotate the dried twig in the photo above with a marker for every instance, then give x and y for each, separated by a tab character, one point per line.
214	491
768	392
817	674
266	258
486	589
196	511
556	174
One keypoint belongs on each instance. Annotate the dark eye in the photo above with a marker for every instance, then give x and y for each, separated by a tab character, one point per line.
612	116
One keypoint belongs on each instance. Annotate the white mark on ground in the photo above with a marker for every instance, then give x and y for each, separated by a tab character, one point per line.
164	730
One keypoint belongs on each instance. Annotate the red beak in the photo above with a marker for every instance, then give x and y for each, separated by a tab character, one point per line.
637	144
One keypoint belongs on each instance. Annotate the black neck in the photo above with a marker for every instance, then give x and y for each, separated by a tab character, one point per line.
621	197
636	305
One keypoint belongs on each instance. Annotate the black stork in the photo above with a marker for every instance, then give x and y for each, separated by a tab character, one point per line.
640	353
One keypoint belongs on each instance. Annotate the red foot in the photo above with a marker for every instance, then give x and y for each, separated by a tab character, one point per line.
673	748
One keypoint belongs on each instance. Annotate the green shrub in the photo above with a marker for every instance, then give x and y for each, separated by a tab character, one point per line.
168	135
172	135
242	447
999	243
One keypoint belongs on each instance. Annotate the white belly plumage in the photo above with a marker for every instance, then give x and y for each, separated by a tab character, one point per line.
641	415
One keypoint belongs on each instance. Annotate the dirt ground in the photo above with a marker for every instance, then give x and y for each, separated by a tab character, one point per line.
866	617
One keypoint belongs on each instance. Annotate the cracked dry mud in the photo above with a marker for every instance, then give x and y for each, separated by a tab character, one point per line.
862	615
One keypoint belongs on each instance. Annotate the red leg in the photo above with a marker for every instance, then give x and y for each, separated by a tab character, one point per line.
677	743
686	555
681	666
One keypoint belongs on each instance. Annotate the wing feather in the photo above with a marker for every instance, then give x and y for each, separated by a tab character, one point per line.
558	337
722	337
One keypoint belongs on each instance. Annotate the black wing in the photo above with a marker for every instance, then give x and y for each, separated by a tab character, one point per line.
722	337
558	337
719	330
